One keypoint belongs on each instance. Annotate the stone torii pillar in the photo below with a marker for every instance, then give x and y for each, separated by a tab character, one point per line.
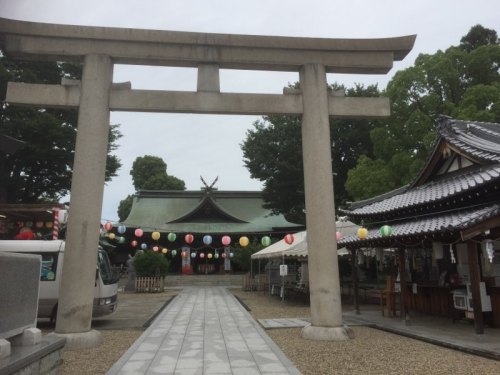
324	286
75	304
101	47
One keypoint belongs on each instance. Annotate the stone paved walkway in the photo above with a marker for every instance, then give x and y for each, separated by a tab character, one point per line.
204	331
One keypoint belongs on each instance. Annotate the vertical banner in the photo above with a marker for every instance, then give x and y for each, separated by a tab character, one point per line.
227	259
55	227
186	260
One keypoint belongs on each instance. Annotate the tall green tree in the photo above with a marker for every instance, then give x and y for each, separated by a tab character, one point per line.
272	153
148	173
42	170
462	82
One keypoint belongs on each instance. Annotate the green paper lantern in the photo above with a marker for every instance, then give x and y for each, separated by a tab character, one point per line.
171	237
265	241
386	231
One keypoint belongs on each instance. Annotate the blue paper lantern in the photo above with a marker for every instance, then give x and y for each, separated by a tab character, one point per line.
122	229
207	239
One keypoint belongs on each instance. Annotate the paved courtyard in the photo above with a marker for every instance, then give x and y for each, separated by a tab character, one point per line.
204	331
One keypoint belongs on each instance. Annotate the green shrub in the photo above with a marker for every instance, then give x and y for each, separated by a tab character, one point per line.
150	264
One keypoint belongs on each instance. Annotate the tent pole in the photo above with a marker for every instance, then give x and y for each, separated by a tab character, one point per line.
355	280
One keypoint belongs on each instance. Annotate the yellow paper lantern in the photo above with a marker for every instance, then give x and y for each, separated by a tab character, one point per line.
155	236
244	241
111	236
362	233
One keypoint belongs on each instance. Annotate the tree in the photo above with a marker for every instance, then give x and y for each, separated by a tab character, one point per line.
148	173
478	36
462	82
42	170
272	153
124	207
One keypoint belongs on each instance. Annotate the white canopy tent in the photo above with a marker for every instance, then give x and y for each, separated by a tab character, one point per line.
299	246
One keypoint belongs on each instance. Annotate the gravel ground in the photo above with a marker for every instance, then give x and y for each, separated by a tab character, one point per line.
371	352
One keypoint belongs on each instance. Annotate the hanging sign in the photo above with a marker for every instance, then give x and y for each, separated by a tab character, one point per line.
283	270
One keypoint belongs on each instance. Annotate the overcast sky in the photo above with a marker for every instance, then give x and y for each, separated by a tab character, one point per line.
209	145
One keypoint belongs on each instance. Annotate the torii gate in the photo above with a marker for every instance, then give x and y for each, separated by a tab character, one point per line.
101	47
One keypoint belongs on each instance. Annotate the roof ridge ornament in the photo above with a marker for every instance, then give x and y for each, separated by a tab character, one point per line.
209	189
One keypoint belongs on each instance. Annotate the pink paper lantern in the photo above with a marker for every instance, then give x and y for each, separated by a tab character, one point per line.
138	232
156	248
289	239
338	236
226	240
108	226
202	255
133	243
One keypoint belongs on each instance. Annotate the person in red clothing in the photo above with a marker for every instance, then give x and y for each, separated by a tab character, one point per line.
25	233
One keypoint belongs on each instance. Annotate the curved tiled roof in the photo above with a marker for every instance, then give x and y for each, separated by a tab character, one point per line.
479	140
434	191
448	222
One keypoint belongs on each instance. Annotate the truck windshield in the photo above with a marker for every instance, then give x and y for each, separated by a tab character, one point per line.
105	267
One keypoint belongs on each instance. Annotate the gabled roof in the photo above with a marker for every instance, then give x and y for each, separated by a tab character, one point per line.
446	187
204	211
479	142
455	193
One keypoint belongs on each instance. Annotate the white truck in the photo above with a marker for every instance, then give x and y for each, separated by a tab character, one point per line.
52	252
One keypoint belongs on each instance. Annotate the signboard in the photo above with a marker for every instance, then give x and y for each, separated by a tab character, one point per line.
283	270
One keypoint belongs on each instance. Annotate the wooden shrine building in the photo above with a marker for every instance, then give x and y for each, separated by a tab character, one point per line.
445	226
208	215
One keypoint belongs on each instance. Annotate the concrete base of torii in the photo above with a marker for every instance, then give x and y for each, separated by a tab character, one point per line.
80	340
342	333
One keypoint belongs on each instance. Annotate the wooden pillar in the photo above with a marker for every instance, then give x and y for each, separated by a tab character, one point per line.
474	282
355	285
402	283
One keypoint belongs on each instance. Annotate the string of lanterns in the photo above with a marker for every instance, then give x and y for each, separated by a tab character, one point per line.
189	238
385	231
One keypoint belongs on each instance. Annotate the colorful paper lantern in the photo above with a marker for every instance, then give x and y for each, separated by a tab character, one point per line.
138	232
39	224
202	255
174	253
226	240
156	248
338	236
289	239
111	236
183	254
231	255
164	250
155	236
189	238
216	255
362	233
108	226
121	239
223	255
144	246
244	241
207	239
386	231
122	229
133	243
49	224
171	237
265	241
209	255
193	255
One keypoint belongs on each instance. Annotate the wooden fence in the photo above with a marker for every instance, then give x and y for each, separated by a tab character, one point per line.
149	284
